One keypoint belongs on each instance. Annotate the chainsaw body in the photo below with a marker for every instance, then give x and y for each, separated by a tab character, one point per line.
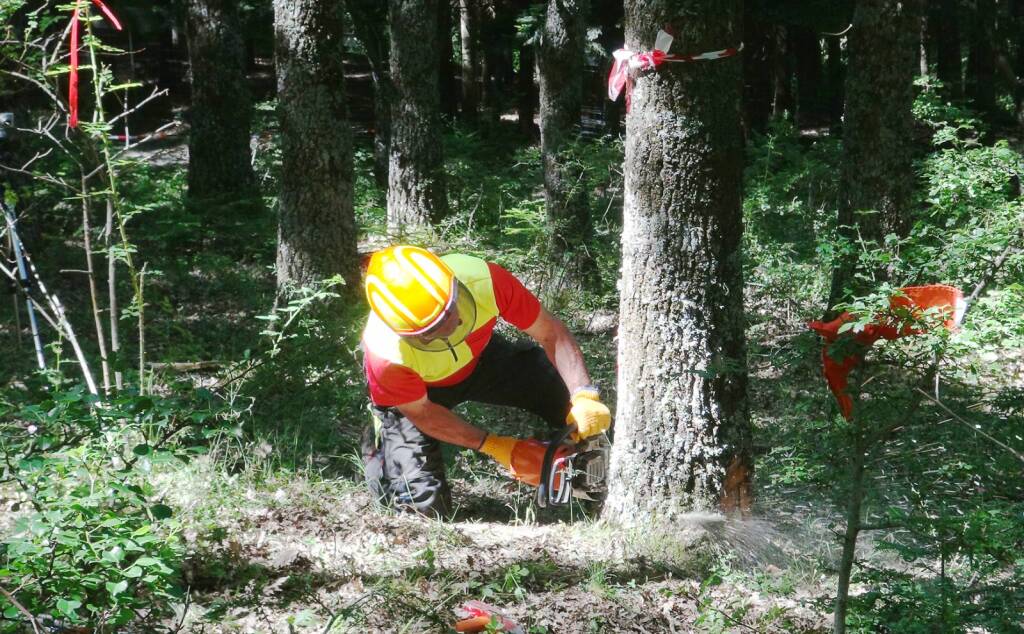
579	470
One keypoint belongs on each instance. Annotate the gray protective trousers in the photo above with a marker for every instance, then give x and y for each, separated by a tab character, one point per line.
404	467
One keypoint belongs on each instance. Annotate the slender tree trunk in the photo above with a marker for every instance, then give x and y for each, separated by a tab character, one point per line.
101	337
806	50
487	62
1017	19
981	59
757	76
923	55
560	74
526	97
219	163
836	79
416	184
316	232
854	502
370	19
878	129
469	31
497	41
112	306
682	411
612	37
446	66
944	24
782	76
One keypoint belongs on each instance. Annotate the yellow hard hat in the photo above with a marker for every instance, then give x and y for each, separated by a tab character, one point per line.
409	288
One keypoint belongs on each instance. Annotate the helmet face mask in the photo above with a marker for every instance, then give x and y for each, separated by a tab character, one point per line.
453	328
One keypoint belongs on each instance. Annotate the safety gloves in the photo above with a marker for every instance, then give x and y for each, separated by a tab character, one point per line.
588	413
523	458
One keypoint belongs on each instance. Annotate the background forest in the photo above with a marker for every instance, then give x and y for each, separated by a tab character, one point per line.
190	188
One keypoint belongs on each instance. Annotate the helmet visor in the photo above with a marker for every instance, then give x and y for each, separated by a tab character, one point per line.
454	327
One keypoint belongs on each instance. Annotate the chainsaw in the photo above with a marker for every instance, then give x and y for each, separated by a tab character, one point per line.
579	471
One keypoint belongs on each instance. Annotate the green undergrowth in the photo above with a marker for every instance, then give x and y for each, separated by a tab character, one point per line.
266	460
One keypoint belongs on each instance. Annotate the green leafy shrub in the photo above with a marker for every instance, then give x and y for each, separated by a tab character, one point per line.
91	542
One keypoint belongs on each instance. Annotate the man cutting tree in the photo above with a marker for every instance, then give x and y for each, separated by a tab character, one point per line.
429	344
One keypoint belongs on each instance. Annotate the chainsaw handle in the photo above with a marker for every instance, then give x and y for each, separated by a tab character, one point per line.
557	440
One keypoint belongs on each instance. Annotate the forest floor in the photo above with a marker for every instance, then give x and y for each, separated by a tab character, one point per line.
298	554
281	536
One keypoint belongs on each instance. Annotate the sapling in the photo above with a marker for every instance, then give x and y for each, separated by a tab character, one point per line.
98	164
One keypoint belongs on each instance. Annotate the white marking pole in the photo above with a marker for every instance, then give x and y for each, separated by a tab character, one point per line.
23	274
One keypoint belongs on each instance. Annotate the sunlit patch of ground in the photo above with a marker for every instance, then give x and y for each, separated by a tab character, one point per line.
276	555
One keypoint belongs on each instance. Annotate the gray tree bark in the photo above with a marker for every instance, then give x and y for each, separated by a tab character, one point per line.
877	129
560	75
317	230
681	418
416	183
219	163
445	53
369	20
469	35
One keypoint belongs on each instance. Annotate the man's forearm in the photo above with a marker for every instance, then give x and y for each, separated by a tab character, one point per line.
568	360
561	348
443	424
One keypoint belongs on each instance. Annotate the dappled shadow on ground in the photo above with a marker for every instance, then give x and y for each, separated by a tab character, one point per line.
312	559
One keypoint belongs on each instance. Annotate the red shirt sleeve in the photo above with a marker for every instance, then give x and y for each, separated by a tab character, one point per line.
391	384
516	305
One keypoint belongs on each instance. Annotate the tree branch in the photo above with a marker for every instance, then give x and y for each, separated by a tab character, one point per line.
21	608
973	427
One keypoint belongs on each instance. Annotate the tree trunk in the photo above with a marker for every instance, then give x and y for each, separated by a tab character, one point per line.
416	184
782	75
757	76
219	160
806	50
1017	20
836	79
923	56
446	66
682	409
317	231
854	502
369	19
560	74
526	91
944	26
469	32
611	38
878	129
981	59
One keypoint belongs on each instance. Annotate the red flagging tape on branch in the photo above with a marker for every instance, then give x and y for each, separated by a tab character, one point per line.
73	65
885	326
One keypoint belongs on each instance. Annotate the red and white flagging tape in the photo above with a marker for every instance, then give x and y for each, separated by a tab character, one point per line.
73	65
627	62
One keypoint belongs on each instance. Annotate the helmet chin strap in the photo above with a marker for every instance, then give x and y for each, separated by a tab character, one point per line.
449	344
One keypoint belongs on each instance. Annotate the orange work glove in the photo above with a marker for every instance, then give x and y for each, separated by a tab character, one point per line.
588	413
523	458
